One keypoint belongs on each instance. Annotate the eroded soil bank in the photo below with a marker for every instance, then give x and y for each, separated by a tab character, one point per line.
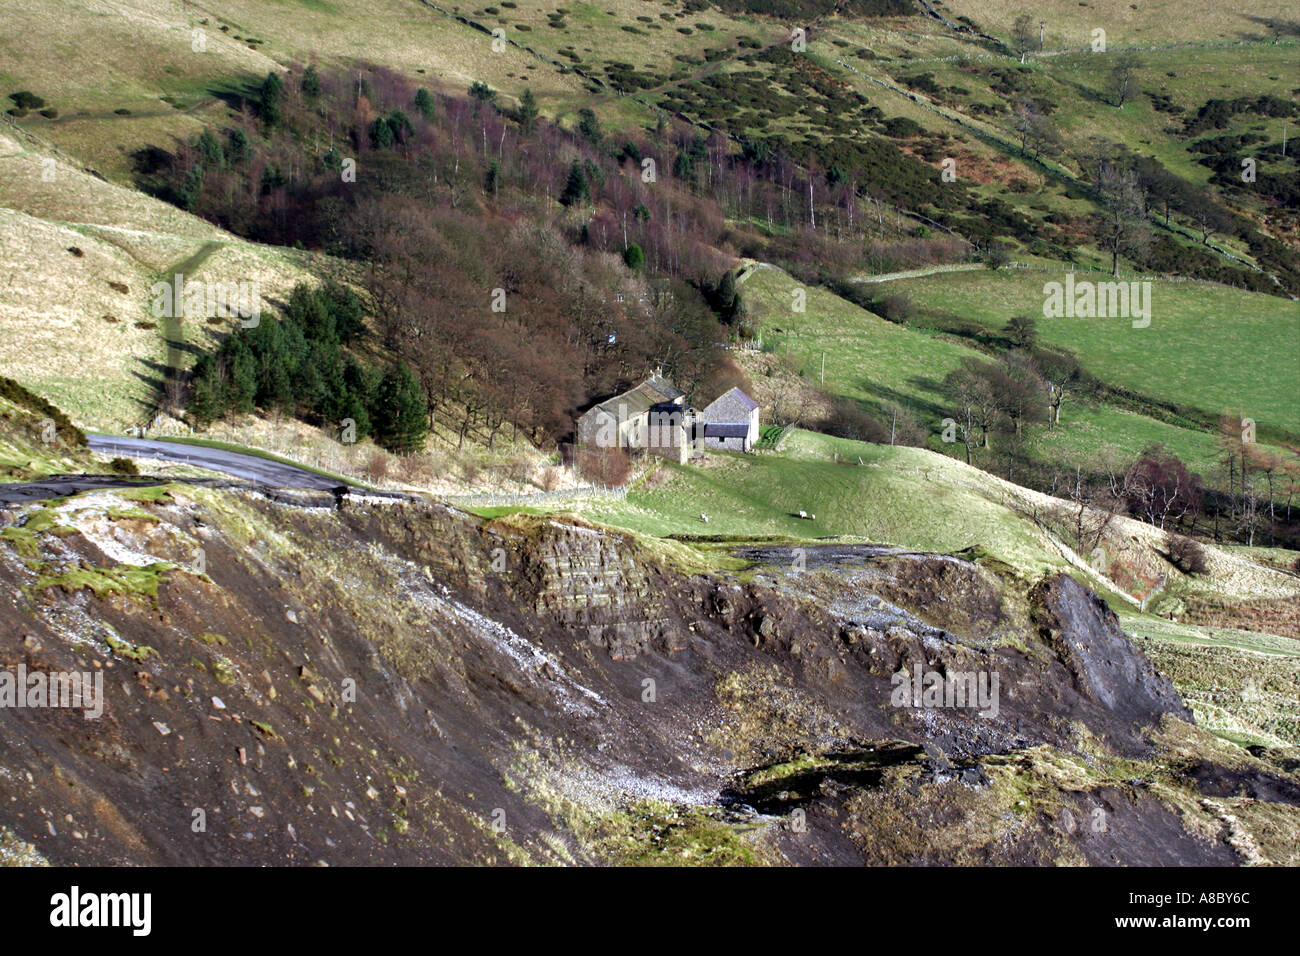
405	683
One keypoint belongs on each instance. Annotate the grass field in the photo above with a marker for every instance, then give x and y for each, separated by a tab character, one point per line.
1090	430
1208	347
1239	684
907	497
866	356
879	362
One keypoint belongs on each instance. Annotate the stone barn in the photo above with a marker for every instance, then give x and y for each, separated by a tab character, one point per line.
731	422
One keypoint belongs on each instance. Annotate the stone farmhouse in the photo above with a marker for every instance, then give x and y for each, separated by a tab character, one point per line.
653	417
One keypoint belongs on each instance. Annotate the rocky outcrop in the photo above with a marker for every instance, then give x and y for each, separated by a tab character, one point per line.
1104	666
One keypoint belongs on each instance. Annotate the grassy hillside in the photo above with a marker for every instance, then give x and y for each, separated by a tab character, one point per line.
1160	21
893	497
907	497
34	442
1238	683
1207	347
149	85
866	356
880	362
84	252
80	256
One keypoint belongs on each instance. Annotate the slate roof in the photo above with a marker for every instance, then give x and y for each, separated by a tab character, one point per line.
741	399
726	430
731	406
667	391
656	390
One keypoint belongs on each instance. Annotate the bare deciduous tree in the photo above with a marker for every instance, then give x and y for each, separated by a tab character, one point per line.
1091	510
1123	76
1038	135
1122	227
1024	35
1159	488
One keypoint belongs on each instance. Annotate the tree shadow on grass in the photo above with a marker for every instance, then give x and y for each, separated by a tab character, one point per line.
1281	28
879	398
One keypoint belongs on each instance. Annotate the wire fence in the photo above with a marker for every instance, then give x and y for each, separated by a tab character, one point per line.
774	438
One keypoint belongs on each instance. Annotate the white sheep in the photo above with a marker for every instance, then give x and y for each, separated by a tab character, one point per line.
704	517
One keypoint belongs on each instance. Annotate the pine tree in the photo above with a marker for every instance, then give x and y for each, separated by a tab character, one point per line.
191	187
424	103
310	83
400	414
401	126
243	377
343	304
684	166
528	111
238	148
269	97
208	392
353	406
589	126
481	93
726	294
575	188
381	134
309	310
210	152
